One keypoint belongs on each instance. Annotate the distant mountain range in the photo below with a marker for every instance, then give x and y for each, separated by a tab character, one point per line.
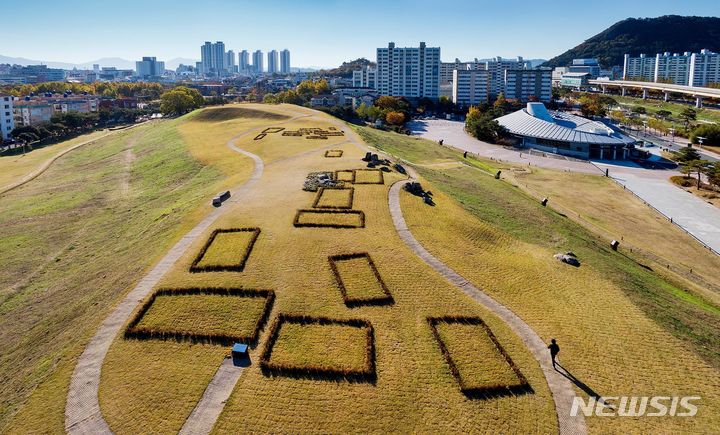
672	33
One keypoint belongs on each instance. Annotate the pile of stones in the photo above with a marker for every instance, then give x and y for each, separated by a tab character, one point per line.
316	180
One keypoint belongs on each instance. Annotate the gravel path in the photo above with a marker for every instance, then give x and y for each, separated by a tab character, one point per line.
561	388
82	410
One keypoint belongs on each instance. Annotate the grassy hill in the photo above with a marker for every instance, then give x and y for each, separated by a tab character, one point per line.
329	357
673	33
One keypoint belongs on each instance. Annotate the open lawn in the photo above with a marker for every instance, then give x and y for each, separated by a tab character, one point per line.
78	237
226	249
623	328
653	105
15	167
334	198
413	386
359	280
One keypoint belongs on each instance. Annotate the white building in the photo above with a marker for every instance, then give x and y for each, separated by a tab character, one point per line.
273	62
470	86
687	69
497	68
526	84
285	61
365	78
149	67
447	68
673	69
244	61
704	68
408	72
7	122
257	64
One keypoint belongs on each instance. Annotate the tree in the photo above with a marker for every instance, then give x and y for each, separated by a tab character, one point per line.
501	103
663	113
640	110
686	154
712	171
710	133
395	118
180	100
694	166
321	87
483	126
688	115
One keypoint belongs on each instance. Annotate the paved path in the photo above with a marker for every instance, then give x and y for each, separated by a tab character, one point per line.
561	387
691	213
33	175
453	134
82	410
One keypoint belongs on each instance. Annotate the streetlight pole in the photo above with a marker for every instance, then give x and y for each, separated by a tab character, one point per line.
701	139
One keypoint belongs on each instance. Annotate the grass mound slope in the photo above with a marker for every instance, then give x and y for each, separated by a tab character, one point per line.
226	250
228	113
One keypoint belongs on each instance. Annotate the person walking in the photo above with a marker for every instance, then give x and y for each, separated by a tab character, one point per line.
554	350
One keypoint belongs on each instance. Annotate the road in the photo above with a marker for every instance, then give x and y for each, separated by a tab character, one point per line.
700	219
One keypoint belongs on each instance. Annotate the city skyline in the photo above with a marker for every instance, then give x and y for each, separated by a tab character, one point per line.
163	32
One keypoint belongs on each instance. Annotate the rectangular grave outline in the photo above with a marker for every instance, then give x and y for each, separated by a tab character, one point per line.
382	177
239	267
318	197
489	392
367	374
333	154
296	221
351	171
133	332
387	299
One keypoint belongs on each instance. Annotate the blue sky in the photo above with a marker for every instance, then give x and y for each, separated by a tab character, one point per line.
318	33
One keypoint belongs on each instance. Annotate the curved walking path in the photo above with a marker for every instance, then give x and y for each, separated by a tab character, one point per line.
561	387
82	410
33	175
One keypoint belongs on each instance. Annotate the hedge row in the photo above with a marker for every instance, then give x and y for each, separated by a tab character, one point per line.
298	224
491	391
132	330
382	177
271	130
350	303
346	206
333	153
239	267
366	374
259	136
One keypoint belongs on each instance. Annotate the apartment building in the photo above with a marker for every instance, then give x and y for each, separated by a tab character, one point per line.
408	72
470	86
285	61
244	61
528	84
36	110
213	58
230	64
447	68
365	78
640	68
704	68
673	68
257	62
7	121
149	67
496	68
273	64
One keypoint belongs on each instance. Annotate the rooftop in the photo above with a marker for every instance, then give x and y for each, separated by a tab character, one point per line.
536	121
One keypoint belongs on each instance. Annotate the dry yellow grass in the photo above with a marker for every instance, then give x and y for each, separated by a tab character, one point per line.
358	279
204	314
607	342
228	249
414	390
334	198
329	218
333	347
479	363
345	175
368	176
604	207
